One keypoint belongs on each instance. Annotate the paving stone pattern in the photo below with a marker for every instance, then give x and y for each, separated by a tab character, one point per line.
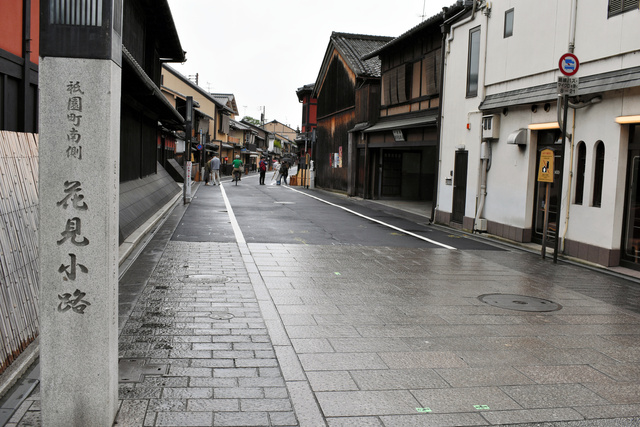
398	337
271	334
199	314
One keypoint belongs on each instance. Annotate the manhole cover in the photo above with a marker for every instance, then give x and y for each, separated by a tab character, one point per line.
205	278
519	302
221	316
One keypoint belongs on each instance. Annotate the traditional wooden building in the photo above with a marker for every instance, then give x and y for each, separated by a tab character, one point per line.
212	117
348	93
400	149
149	39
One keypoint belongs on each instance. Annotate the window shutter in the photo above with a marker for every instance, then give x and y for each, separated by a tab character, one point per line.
385	88
400	72
393	85
617	7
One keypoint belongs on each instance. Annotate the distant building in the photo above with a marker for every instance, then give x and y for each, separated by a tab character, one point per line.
309	119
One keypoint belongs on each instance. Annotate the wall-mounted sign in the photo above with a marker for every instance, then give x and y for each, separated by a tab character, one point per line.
398	135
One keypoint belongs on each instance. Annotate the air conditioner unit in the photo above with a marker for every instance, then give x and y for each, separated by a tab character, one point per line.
481	225
491	126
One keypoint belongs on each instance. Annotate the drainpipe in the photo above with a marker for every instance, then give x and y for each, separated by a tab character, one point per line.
485	155
434	203
571	48
447	28
458	24
566	222
572	25
26	65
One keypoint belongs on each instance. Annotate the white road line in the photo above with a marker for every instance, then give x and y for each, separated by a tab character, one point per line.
376	221
232	217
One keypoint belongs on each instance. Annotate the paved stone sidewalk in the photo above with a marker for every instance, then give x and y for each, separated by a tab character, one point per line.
199	317
198	333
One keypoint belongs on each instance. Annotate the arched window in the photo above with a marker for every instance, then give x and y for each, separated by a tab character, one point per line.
598	174
580	169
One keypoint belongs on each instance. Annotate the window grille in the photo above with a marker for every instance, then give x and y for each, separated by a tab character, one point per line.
616	7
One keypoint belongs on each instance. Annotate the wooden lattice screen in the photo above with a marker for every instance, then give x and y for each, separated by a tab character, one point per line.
18	244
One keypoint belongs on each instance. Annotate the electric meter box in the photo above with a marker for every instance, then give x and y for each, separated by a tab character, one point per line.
491	126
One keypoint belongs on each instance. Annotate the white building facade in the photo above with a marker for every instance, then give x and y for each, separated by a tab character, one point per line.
502	64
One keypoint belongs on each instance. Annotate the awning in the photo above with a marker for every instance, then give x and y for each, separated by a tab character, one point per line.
360	127
589	85
226	146
404	123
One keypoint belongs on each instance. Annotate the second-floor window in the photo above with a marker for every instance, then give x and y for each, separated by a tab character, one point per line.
508	23
617	7
397	84
473	62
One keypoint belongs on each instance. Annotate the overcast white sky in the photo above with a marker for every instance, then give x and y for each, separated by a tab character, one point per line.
263	50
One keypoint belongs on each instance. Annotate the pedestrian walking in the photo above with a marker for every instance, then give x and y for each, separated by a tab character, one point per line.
284	173
263	170
207	171
215	170
276	170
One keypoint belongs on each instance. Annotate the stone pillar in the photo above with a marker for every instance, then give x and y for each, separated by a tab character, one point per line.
79	206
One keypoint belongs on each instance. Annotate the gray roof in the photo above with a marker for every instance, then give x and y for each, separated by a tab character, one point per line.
354	46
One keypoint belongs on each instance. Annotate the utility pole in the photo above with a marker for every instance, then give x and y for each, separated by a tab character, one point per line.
186	190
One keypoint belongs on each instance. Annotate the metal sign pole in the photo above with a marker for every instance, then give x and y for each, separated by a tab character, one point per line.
565	106
546	220
186	193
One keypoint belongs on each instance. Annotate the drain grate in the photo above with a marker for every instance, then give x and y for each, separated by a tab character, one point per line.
221	316
134	370
519	302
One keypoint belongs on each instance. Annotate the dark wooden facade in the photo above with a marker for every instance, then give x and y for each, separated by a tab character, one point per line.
145	39
401	149
148	35
345	89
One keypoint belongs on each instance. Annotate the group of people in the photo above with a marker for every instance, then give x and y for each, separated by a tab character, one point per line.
281	170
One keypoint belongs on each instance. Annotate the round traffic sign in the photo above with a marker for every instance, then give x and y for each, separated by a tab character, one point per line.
199	146
569	64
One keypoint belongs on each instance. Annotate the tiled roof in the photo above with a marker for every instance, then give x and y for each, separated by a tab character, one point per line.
354	46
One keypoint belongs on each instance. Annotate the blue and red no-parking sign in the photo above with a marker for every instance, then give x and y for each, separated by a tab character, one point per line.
569	64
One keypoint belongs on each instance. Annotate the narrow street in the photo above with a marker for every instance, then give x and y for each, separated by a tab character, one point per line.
281	306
